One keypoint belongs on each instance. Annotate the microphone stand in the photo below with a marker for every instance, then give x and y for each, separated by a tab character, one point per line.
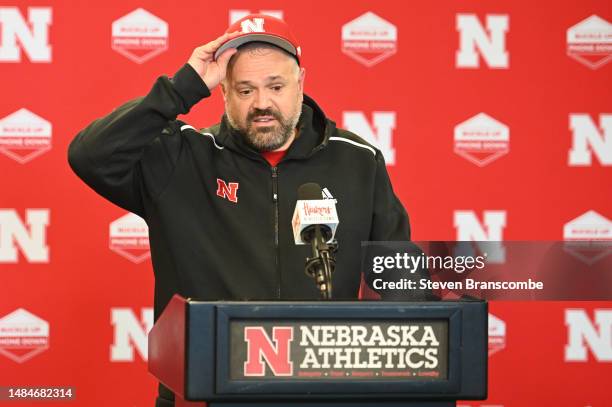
322	263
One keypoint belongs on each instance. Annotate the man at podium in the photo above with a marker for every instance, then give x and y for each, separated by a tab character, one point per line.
219	201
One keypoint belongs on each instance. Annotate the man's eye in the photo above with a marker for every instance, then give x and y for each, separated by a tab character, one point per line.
245	92
277	88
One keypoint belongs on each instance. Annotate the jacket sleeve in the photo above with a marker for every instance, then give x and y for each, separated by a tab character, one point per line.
389	220
107	155
390	223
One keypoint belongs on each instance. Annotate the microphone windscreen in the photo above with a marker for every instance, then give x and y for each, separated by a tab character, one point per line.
309	191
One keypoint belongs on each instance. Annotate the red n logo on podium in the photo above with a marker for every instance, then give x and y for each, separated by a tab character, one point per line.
259	347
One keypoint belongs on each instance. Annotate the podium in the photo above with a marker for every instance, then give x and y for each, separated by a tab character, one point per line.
332	353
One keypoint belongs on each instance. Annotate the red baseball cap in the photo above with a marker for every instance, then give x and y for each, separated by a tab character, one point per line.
262	28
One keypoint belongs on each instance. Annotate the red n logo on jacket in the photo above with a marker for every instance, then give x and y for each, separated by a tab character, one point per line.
227	191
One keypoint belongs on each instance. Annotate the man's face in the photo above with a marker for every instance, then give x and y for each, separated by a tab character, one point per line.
263	95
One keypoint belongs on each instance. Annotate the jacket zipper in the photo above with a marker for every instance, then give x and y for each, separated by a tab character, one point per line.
275	201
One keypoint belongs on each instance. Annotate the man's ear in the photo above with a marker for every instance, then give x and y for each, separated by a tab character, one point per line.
224	89
301	79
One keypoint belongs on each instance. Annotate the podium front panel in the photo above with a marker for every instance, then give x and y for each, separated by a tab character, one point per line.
337	350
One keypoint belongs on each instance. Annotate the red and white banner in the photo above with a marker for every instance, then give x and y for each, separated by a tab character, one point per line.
495	120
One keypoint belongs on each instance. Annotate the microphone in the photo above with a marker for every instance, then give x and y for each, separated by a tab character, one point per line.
312	210
314	222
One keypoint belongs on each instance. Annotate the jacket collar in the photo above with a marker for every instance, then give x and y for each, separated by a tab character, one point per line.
314	132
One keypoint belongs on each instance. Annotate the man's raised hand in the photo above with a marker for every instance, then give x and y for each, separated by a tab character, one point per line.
202	60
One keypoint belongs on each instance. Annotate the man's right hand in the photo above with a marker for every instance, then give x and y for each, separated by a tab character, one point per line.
212	72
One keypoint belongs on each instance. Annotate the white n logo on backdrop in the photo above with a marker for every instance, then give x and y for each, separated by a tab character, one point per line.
582	335
31	36
130	333
379	133
475	40
235	15
488	236
31	240
588	140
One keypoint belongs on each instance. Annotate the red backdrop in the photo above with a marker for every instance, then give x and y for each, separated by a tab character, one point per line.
408	76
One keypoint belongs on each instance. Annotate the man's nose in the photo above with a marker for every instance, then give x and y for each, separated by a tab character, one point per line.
262	100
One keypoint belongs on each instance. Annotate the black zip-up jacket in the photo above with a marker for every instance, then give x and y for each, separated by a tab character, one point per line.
205	246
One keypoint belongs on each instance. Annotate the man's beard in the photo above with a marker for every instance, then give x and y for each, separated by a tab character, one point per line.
266	138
